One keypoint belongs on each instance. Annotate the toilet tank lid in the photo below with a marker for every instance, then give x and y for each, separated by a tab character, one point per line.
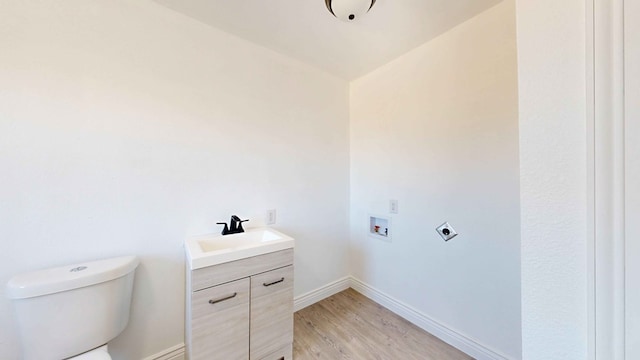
63	278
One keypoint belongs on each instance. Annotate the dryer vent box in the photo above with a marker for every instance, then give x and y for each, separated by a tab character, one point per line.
446	231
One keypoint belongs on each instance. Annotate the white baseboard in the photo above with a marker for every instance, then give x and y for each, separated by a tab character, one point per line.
312	297
173	353
452	337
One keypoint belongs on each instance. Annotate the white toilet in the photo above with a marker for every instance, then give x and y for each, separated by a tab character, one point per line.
71	312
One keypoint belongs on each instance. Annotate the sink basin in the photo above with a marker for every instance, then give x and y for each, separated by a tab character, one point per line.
214	249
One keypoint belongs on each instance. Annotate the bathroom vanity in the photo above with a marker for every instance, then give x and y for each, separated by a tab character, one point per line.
240	306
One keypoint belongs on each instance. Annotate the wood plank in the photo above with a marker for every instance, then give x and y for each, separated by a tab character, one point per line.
348	325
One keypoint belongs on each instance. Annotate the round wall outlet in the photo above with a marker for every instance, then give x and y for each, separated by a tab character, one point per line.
446	231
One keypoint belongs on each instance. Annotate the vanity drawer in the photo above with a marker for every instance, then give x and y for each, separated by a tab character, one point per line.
218	274
271	312
285	353
220	322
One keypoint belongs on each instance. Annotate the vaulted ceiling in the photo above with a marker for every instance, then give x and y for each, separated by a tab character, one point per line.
305	30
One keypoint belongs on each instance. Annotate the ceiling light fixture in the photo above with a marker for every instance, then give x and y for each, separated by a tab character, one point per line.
349	10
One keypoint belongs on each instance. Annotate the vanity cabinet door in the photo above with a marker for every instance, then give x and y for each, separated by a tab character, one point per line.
220	322
271	312
286	353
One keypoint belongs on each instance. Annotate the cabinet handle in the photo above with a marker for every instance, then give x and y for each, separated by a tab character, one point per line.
273	283
223	299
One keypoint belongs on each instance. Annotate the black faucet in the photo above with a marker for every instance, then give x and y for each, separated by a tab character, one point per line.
235	226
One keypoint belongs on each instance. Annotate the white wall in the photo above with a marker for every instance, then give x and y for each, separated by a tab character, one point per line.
553	158
437	129
126	127
632	181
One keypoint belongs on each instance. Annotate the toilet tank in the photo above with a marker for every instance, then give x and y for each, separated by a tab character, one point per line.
65	311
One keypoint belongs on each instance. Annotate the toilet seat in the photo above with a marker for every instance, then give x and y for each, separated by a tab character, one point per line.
95	354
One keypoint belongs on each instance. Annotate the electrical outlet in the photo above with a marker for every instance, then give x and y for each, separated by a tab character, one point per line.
271	217
446	231
393	206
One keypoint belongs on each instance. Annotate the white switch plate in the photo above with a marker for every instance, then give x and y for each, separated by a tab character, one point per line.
271	217
393	206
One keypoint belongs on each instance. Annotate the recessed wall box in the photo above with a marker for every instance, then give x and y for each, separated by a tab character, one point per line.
380	227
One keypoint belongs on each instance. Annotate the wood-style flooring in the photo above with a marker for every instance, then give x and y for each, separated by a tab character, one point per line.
350	326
